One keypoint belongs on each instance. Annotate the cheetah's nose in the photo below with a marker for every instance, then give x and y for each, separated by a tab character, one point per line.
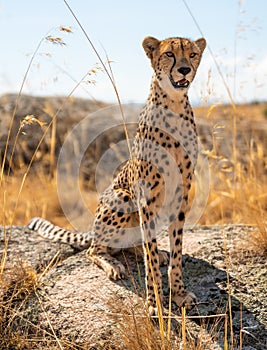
184	70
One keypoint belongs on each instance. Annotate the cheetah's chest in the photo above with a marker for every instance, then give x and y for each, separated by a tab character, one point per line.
162	134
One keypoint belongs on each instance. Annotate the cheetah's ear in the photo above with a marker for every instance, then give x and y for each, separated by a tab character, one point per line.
149	45
201	43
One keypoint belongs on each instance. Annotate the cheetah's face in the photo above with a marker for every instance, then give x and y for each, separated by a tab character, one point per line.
175	61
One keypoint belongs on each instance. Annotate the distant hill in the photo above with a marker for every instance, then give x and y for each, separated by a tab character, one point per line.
102	128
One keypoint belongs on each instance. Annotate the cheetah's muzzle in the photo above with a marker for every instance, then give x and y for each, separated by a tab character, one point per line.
183	83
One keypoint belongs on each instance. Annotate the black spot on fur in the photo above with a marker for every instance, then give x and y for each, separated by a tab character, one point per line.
126	198
152	225
155	185
181	216
177	241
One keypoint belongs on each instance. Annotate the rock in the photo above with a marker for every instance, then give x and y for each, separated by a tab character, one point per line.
75	301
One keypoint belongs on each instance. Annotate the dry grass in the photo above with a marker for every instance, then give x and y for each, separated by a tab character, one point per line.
18	330
136	330
16	284
238	179
238	168
238	186
238	165
46	204
237	194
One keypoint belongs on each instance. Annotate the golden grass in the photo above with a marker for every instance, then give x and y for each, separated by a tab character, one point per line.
38	198
238	171
238	187
237	194
18	287
16	284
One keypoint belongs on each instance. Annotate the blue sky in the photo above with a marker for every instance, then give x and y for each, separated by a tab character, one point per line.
235	31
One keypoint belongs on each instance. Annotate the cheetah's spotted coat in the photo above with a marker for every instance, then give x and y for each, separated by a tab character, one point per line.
151	191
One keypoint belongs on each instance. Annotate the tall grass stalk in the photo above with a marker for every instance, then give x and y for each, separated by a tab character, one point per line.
38	146
14	113
109	73
225	344
230	314
184	328
52	157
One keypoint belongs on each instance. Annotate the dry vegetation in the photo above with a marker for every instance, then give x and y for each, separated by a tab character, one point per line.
238	171
238	165
236	148
237	194
237	162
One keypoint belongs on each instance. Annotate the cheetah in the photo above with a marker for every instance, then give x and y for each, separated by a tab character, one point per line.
150	192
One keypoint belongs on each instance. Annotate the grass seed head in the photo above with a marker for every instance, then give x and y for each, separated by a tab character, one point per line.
55	40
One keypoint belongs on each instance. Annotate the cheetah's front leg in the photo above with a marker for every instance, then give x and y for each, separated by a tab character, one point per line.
180	296
99	255
154	294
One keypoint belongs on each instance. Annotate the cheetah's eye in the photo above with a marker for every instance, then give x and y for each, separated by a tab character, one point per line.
169	54
192	55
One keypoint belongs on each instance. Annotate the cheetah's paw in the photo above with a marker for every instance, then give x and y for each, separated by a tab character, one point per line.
154	311
164	258
187	299
116	272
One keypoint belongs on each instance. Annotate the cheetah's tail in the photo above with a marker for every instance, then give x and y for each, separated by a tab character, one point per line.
79	240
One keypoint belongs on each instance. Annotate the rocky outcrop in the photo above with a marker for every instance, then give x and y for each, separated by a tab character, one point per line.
73	303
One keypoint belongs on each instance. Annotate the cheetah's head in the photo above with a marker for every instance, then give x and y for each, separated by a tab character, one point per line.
175	61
